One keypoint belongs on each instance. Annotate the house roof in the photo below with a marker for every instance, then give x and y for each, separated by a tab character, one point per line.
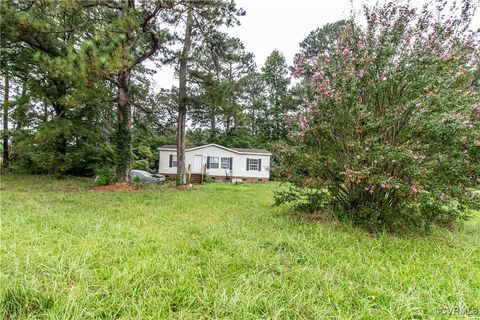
248	150
236	150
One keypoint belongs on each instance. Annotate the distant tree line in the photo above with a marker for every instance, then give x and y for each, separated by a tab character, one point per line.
78	96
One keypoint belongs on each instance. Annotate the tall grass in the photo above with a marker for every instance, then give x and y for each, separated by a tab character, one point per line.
219	251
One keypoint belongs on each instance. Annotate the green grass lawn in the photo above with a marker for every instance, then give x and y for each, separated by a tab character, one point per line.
217	251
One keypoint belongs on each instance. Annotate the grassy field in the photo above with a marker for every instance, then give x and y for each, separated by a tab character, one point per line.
218	251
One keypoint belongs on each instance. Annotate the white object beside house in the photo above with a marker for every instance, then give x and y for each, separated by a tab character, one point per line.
218	162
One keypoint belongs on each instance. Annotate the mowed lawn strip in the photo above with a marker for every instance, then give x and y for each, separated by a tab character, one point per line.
218	251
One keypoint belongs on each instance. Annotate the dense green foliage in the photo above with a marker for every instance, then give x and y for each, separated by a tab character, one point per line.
81	103
77	61
152	254
392	137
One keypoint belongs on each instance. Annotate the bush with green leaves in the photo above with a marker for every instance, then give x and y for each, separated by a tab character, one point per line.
105	176
308	200
392	133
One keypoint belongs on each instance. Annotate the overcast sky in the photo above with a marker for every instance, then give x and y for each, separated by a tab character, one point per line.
281	25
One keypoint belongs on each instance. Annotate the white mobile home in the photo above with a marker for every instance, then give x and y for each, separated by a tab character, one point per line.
218	162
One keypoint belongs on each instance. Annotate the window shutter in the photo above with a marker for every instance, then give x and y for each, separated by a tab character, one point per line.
208	162
248	164
259	164
231	163
170	161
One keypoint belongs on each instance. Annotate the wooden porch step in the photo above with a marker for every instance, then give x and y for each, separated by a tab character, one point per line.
196	178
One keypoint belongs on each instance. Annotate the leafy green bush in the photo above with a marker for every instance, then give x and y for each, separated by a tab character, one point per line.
105	176
392	130
307	200
207	179
142	164
137	182
144	157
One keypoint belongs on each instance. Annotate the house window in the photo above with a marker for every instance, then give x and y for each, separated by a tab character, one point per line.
214	162
225	163
253	164
174	160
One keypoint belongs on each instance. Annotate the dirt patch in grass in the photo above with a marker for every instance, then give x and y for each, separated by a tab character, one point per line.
116	187
186	186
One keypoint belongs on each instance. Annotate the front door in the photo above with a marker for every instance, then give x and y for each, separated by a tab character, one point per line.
197	164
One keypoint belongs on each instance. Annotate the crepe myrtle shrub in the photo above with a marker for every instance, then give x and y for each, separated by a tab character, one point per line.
392	134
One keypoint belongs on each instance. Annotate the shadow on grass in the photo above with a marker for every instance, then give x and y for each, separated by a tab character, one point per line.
435	232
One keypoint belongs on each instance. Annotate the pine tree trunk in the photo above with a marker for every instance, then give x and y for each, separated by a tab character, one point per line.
60	140
254	132
182	103
213	124
6	155
123	135
235	121
123	141
16	125
227	124
45	112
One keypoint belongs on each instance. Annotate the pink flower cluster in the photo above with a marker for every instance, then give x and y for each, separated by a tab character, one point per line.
317	75
476	108
300	67
313	106
369	190
363	46
302	121
325	88
386	185
297	72
460	118
468	123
